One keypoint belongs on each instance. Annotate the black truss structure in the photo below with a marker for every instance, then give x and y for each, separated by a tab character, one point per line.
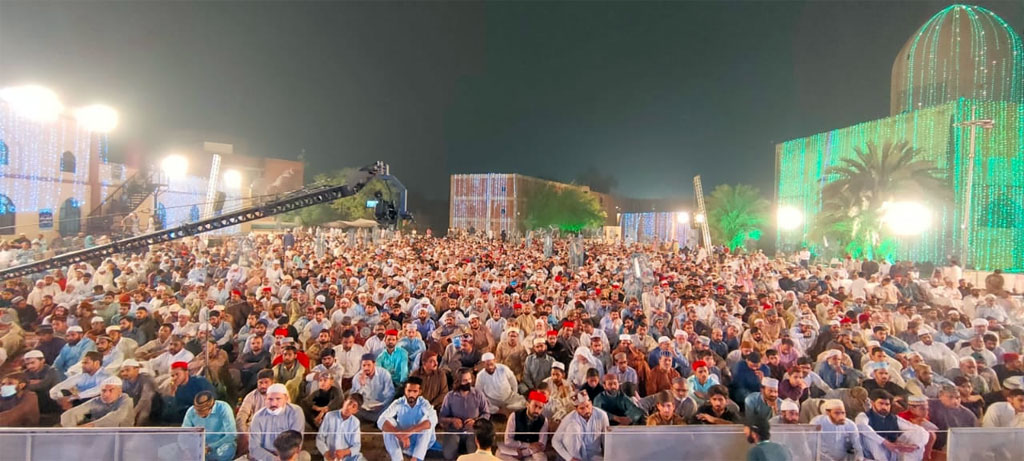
301	198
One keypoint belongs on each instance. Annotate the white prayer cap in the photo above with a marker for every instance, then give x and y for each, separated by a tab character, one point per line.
487	356
97	319
833	404
664	339
680	333
277	388
878	366
789	405
917	400
537	341
924	331
321	299
625	338
131	363
113	328
74	329
771	383
34	354
979	323
204	327
113	381
1014	382
558	365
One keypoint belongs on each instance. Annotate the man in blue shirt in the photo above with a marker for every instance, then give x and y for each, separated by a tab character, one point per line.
338	439
748	375
376	387
77	345
408	424
219	423
394	359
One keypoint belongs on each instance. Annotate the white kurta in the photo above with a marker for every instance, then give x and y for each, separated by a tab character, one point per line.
580	438
912	434
500	388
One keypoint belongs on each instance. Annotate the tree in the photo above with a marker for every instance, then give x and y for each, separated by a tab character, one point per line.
597	181
570	209
858	188
736	214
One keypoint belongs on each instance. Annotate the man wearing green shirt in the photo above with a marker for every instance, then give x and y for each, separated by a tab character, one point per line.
758	432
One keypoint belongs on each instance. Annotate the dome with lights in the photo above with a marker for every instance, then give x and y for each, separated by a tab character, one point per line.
963	51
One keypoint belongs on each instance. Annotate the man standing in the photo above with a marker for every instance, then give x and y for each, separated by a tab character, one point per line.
580	436
218	422
526	433
111	409
499	385
375	385
408	424
339	435
758	433
278	416
461	408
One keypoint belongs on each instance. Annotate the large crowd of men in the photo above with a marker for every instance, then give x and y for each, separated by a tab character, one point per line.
278	336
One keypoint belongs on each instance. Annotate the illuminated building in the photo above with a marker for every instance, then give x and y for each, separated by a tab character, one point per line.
964	64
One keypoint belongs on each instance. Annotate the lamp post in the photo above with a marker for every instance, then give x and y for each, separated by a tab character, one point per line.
974	123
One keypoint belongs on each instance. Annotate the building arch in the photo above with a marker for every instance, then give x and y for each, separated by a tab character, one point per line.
70	218
68	163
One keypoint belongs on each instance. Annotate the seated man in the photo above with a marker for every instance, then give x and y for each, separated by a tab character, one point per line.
278	416
408	424
83	386
789	413
499	385
142	390
765	404
888	437
218	421
620	409
462	406
288	446
949	412
526	433
41	378
111	409
665	411
394	359
182	392
325	398
375	384
716	410
339	435
840	438
19	407
580	435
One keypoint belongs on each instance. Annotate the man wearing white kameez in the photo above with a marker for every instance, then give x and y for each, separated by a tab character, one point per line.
499	385
580	436
938	355
338	439
887	437
839	439
408	424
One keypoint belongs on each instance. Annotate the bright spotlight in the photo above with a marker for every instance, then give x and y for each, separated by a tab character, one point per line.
97	117
174	166
33	102
789	217
906	218
699	218
233	179
682	217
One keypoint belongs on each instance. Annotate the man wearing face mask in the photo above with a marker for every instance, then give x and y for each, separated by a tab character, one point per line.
278	416
19	407
216	418
462	406
111	409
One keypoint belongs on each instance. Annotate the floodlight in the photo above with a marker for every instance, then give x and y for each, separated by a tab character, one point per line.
906	218
789	217
33	102
174	166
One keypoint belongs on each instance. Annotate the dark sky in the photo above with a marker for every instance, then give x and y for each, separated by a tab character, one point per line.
652	93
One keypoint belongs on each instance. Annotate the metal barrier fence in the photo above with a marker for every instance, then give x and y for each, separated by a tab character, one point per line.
106	444
986	444
701	443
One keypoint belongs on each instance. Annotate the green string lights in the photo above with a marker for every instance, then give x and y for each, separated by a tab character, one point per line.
964	58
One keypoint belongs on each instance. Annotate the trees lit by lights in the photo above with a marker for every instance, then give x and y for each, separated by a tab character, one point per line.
33	102
97	117
682	217
789	217
174	166
906	218
233	179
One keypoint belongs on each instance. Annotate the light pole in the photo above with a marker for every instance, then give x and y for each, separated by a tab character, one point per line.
974	123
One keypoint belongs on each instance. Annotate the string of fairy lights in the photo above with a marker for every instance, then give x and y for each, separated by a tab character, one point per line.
484	202
655	227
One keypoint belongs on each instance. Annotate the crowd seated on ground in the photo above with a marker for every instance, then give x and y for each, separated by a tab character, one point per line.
280	336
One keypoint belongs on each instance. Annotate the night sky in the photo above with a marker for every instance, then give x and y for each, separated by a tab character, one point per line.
651	93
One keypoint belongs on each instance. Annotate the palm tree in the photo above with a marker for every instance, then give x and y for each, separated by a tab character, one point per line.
736	214
852	201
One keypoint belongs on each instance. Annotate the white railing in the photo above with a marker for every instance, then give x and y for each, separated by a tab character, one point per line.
108	444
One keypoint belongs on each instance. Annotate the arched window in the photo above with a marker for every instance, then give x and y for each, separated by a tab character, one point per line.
5	155
6	216
67	162
193	213
70	218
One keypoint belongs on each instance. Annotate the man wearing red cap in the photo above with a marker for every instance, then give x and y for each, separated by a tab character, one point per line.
394	359
182	392
1010	367
526	434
